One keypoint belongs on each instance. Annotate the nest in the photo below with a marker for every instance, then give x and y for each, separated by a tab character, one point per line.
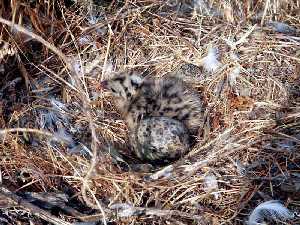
61	137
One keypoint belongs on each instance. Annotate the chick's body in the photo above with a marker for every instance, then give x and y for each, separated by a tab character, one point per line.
161	114
168	97
160	138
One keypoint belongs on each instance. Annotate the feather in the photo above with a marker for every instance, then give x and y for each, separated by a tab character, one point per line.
234	75
281	27
58	105
210	62
165	172
85	40
211	185
204	8
272	210
124	209
61	135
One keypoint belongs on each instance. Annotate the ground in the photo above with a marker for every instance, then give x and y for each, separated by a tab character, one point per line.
64	148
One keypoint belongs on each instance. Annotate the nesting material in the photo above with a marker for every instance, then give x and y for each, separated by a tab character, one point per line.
60	132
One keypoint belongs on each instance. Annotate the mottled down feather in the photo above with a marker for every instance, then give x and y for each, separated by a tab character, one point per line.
155	109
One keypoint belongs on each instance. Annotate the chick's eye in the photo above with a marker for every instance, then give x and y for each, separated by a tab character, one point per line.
113	90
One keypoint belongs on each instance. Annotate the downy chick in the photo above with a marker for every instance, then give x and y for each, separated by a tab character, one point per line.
160	102
137	98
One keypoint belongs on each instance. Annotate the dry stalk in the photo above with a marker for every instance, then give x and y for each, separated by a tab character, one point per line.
34	210
85	102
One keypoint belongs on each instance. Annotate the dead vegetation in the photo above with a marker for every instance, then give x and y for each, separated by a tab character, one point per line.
62	136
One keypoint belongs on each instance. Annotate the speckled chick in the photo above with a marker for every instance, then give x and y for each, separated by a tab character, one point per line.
140	99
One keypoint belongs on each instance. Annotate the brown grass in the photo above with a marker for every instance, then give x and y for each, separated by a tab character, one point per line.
249	142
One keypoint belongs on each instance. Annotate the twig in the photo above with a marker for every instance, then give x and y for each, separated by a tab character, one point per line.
125	210
34	210
84	99
29	130
265	12
38	38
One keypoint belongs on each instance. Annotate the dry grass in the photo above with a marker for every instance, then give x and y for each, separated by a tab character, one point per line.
60	133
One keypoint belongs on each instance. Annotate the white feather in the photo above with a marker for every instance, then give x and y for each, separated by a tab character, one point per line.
234	75
84	40
211	184
62	135
210	62
200	4
269	210
234	56
93	20
79	148
58	105
107	68
204	8
124	209
78	69
165	172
